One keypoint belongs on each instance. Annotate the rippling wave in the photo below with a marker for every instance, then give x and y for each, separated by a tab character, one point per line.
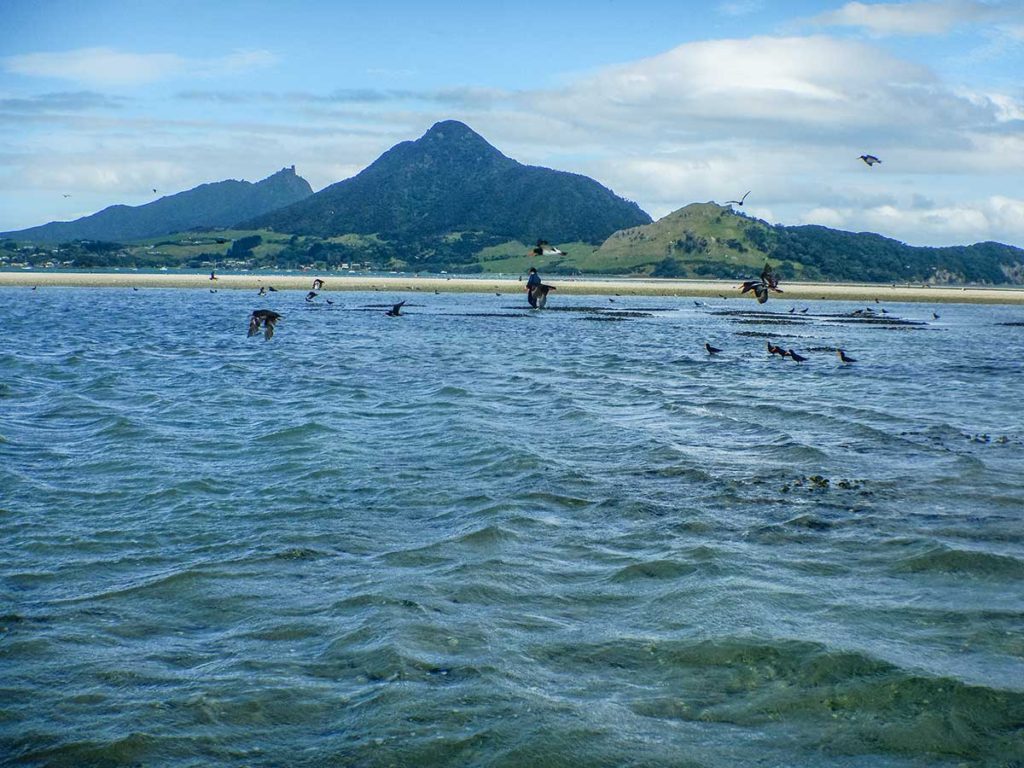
479	535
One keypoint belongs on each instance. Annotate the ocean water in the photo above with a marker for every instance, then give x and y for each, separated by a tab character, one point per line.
477	535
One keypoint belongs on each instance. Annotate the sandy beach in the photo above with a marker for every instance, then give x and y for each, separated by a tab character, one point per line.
565	285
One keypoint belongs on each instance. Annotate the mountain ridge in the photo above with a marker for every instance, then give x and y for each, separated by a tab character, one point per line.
213	204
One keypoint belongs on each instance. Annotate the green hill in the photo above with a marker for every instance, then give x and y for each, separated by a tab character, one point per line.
709	240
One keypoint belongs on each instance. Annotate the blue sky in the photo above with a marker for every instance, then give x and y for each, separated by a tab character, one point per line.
667	103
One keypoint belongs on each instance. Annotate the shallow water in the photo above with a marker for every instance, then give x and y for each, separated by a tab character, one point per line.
477	535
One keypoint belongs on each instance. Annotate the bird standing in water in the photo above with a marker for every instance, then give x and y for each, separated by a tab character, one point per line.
711	350
843	357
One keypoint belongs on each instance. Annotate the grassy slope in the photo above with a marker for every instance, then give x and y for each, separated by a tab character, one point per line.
186	245
697	233
694	235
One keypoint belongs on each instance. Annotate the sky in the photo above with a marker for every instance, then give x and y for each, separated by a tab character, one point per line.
666	102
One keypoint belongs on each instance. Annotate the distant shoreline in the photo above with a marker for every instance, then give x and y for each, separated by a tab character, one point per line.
625	286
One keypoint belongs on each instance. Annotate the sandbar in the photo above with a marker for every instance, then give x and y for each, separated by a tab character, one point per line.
622	286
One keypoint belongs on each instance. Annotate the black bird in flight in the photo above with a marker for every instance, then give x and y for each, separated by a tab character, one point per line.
740	201
767	282
311	295
67	196
843	357
544	249
154	191
265	317
870	159
711	350
396	310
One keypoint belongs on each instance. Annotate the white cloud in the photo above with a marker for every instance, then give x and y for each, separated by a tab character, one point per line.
826	217
993	218
925	17
791	88
106	67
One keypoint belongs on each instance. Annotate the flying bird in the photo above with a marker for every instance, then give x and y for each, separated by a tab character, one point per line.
843	357
67	195
154	191
396	310
740	201
266	318
544	249
767	282
870	159
311	295
711	350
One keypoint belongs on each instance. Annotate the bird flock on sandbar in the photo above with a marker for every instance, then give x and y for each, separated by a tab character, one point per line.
266	320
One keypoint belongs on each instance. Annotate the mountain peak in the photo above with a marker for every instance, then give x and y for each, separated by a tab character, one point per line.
452	180
287	180
451	130
452	141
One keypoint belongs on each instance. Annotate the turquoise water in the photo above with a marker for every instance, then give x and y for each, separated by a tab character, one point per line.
482	536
